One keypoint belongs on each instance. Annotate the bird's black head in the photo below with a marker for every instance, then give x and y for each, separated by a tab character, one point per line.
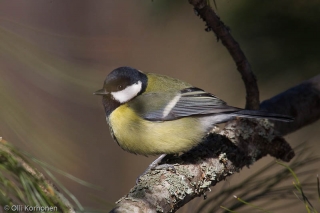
120	86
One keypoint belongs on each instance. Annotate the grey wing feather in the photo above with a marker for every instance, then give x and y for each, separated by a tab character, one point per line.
194	101
171	106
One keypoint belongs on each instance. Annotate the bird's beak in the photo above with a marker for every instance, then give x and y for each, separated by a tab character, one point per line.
101	92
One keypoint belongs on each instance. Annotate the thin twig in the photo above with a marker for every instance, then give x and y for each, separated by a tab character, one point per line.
213	22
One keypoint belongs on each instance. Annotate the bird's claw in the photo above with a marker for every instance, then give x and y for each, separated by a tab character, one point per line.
155	166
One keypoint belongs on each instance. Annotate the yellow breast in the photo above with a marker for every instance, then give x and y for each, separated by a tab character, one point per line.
140	136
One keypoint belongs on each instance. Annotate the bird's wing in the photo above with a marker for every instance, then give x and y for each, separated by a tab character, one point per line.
166	106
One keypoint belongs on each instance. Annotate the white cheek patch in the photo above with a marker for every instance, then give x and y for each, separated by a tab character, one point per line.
128	93
170	106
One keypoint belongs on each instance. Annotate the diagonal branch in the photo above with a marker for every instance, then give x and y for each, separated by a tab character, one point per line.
239	144
222	32
302	102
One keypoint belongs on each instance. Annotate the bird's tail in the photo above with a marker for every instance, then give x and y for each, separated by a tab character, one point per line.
263	114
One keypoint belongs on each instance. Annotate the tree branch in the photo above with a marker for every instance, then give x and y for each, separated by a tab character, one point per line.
239	144
301	102
222	32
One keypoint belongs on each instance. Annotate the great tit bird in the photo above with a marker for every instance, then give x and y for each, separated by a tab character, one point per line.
151	114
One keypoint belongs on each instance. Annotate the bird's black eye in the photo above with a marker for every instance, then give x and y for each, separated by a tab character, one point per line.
120	87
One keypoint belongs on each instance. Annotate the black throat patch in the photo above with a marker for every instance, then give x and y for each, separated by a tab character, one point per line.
109	104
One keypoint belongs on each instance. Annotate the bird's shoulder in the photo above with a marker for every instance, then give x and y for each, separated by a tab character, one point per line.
162	83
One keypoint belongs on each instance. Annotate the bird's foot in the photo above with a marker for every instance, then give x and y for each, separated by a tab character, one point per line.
155	166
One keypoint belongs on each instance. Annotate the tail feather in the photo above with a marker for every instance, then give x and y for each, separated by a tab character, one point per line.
263	114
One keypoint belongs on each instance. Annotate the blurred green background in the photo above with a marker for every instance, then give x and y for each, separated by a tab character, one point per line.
54	54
